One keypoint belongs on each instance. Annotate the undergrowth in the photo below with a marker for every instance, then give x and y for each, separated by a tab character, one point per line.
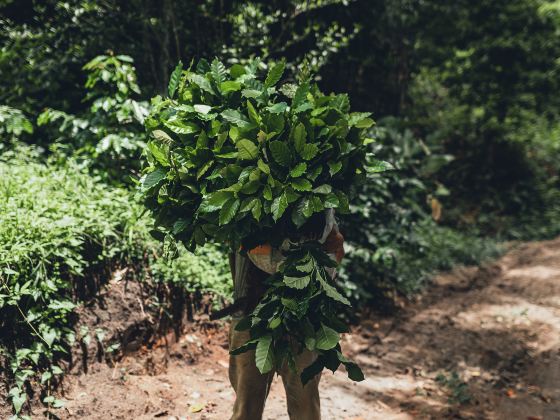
61	233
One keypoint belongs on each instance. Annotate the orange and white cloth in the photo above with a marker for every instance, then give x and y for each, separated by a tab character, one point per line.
267	258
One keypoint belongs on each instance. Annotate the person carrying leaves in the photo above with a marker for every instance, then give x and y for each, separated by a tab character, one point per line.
237	156
249	272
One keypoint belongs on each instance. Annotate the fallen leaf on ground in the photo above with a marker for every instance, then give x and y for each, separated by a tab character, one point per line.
196	408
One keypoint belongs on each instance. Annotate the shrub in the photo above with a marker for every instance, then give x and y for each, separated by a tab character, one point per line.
60	228
108	137
394	243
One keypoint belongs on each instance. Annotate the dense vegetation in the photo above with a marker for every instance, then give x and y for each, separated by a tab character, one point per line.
466	113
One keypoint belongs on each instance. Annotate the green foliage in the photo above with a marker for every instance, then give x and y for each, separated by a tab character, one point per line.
500	171
252	166
13	123
394	244
458	389
58	228
205	270
301	307
233	167
108	136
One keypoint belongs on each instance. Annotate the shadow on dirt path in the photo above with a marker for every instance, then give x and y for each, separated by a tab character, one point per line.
482	343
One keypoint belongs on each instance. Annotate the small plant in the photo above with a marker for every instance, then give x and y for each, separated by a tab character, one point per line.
13	123
459	390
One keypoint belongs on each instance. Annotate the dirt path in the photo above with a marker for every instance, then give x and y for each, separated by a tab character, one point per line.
491	334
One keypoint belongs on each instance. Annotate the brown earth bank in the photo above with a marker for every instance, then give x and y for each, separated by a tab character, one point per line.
480	343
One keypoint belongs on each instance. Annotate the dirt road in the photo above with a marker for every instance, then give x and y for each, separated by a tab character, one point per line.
482	343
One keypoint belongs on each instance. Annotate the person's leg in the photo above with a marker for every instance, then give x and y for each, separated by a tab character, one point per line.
303	401
251	387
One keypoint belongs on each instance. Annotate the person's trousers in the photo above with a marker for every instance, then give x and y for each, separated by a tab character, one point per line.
251	387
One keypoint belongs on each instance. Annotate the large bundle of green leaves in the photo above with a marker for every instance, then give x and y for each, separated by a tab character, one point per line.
237	159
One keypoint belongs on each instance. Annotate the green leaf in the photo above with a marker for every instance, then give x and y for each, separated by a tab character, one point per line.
159	153
263	167
218	71
179	226
237	70
257	210
280	153
309	151
253	113
364	123
18	399
230	86
248	204
251	93
323	189
306	267
377	166
354	371
277	108
202	66
46	376
334	167
326	338
301	184
202	82
236	118
274	74
356	117
298	218
247	149
292	195
202	109
250	187
297	282
228	211
180	127
249	345
274	123
300	95
300	136
331	201
274	323
153	178
331	360
279	206
175	79
312	370
162	136
204	168
264	354
215	201
267	193
331	291
298	170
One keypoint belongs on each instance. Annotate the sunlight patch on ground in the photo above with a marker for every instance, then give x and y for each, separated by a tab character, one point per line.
535	272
